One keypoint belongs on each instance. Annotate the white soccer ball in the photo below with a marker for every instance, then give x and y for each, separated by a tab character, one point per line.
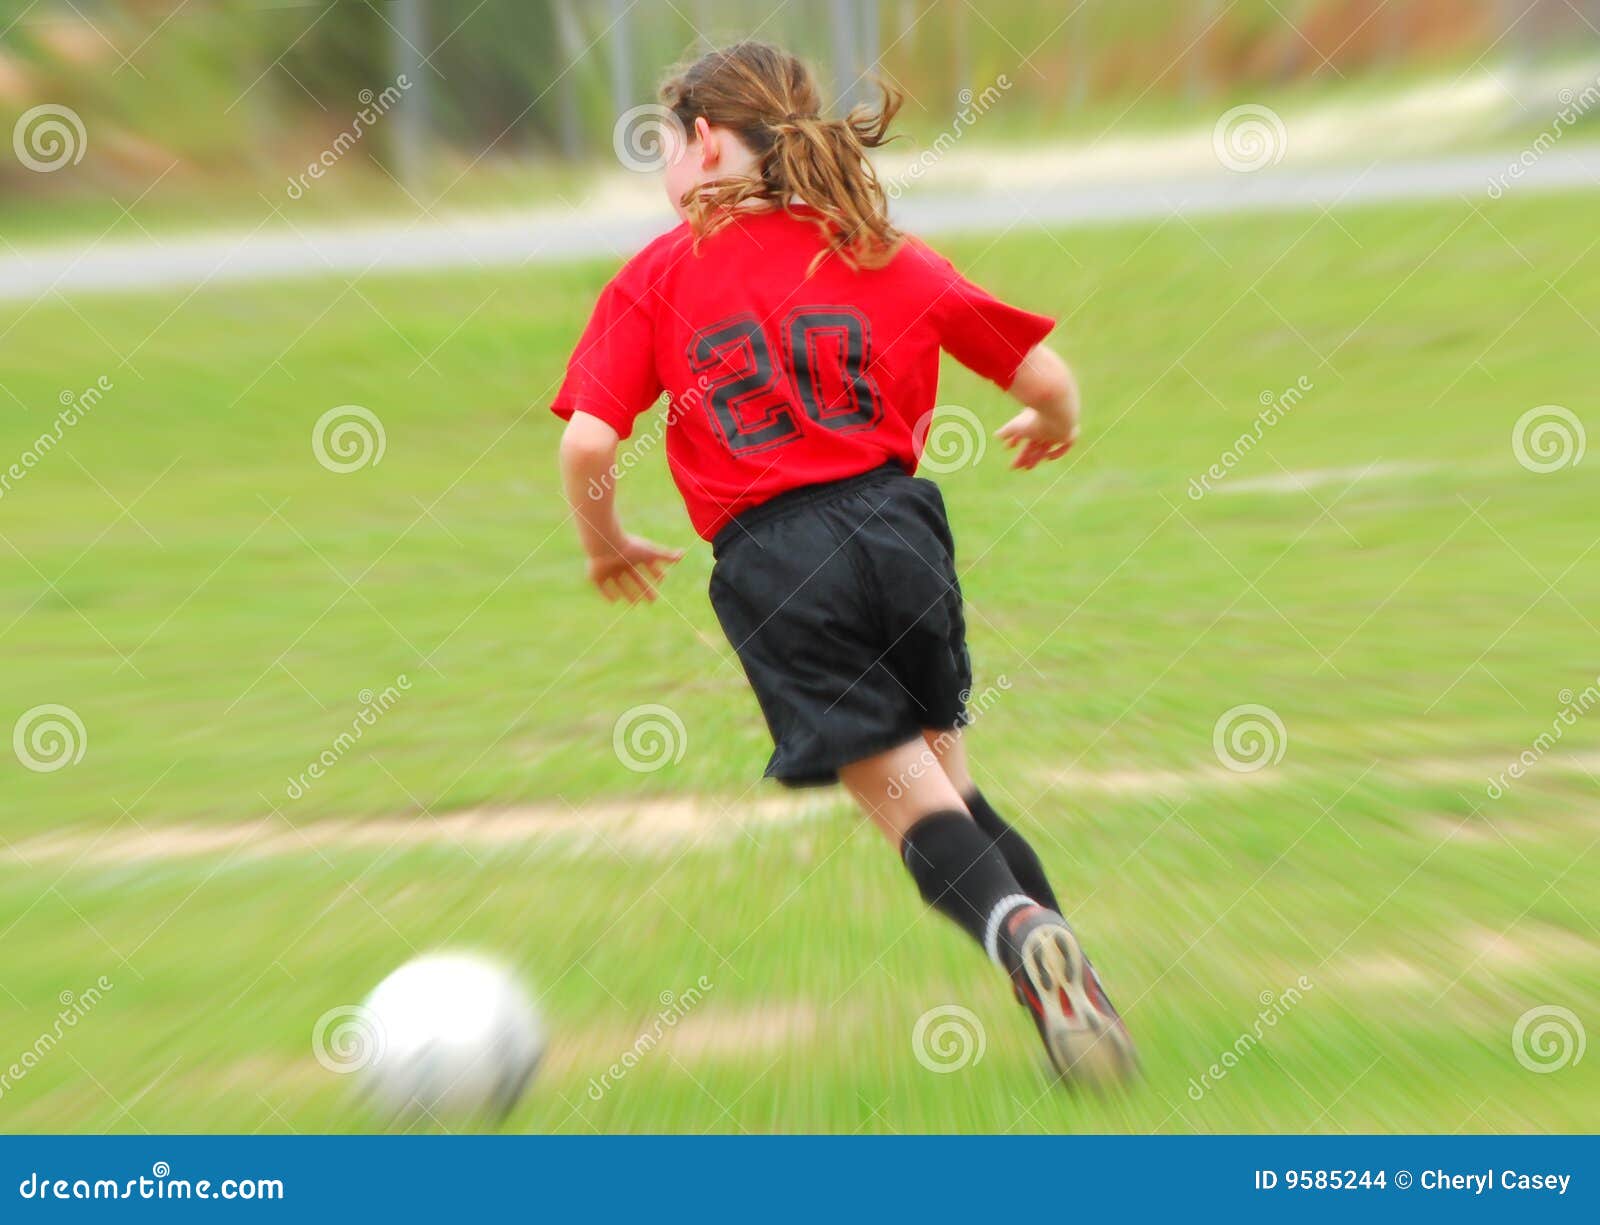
455	1037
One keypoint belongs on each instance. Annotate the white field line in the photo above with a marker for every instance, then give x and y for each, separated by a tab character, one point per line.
1311	478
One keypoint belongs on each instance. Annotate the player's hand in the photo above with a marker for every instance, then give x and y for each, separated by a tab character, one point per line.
1036	437
631	571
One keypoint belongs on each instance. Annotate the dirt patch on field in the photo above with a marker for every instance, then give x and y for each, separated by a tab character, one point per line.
1463	831
1176	781
1156	781
1527	945
1379	970
666	825
760	1030
644	827
1483	770
1474	949
704	1035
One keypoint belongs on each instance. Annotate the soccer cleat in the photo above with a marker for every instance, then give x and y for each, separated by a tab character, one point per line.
1080	1028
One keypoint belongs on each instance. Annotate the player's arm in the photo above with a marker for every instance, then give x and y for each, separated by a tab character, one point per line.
1047	426
620	565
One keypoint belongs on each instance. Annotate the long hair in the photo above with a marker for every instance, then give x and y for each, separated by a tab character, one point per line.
770	99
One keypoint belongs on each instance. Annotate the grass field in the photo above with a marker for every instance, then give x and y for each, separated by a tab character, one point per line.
211	603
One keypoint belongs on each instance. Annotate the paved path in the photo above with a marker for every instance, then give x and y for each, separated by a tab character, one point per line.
276	252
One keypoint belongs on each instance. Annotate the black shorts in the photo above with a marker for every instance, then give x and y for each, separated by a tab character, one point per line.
842	602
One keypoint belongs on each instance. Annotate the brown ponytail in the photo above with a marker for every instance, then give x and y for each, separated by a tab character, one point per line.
770	99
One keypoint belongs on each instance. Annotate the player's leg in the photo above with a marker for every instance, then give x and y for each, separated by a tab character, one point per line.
962	873
1049	972
951	753
956	866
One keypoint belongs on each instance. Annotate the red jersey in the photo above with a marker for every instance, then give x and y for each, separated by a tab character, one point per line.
775	378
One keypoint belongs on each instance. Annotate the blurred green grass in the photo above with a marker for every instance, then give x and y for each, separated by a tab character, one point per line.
211	601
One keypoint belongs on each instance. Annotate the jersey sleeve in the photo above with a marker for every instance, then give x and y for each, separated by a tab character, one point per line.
612	372
987	336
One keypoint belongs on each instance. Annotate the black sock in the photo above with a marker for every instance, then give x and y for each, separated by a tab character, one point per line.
961	873
1020	857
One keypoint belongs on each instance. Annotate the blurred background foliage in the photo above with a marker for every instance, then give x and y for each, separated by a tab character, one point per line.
184	93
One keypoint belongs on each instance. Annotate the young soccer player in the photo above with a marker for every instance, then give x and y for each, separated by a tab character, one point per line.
797	334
